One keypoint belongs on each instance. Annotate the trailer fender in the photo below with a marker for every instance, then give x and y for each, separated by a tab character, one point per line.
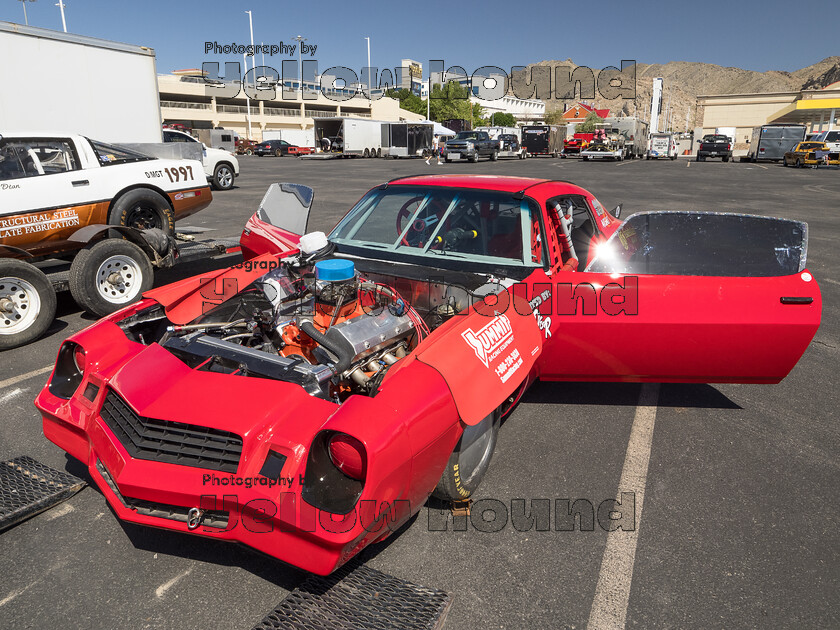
9	251
160	253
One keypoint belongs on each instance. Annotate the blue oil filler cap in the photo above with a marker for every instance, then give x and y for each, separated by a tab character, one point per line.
335	270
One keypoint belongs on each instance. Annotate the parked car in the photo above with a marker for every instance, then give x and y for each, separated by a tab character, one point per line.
246	147
64	195
279	148
831	138
301	404
714	145
811	154
220	167
471	145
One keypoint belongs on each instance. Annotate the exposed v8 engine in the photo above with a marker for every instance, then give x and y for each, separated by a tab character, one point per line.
322	327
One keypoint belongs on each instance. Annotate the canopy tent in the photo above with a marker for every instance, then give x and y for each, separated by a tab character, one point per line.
440	130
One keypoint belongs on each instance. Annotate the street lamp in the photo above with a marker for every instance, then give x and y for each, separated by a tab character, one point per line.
60	4
300	41
370	96
25	18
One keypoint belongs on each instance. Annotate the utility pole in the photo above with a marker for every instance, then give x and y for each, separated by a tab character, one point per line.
247	100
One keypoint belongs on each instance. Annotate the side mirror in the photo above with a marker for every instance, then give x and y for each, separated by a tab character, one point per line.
617	211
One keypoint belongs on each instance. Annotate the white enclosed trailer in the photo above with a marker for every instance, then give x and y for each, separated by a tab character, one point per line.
93	87
351	136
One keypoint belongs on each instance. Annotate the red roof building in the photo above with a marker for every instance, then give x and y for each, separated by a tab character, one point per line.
578	112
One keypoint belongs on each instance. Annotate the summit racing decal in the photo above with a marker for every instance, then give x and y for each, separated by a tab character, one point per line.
490	339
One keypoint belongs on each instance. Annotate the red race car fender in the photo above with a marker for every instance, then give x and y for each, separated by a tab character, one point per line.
486	354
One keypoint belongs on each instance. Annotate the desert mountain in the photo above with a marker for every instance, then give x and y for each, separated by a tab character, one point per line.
684	81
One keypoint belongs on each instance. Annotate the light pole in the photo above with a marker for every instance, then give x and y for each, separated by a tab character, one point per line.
300	41
25	17
368	46
253	56
60	4
247	100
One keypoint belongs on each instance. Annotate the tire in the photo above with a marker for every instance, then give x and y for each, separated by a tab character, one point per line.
223	176
249	152
366	153
379	153
647	157
798	163
725	158
278	152
474	158
24	319
494	156
142	209
92	281
470	460
785	162
447	160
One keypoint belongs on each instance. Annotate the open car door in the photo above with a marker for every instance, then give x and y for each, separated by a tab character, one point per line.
682	297
280	221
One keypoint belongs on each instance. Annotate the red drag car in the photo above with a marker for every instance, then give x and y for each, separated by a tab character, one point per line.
308	401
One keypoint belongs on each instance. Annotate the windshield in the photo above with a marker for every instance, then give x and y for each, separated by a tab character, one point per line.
445	223
466	135
109	154
704	244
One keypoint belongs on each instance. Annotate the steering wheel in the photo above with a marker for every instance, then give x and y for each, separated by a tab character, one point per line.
407	211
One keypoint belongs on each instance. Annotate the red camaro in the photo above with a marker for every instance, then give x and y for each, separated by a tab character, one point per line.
309	400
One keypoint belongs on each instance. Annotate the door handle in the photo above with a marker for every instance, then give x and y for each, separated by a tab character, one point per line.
81	182
796	300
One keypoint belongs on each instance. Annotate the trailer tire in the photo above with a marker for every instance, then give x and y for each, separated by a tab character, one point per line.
366	153
142	209
470	460
92	281
24	319
379	153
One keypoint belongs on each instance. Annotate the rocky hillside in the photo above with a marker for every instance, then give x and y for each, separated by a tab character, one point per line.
684	81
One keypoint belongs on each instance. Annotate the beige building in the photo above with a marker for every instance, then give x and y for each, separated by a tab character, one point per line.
816	109
186	99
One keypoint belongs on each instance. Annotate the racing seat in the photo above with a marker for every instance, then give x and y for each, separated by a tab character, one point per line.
581	236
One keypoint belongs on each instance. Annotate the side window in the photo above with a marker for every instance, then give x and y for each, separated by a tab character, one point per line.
31	157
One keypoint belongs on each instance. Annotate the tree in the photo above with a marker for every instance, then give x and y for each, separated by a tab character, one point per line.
451	101
408	100
588	125
502	119
554	117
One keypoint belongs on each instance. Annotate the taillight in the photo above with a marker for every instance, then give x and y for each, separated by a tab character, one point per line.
728	147
69	370
348	455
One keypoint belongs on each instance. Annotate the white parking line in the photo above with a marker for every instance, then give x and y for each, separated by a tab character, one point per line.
17	391
612	594
17	379
830	280
160	591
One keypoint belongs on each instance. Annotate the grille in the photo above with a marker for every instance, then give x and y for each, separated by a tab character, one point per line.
210	518
170	442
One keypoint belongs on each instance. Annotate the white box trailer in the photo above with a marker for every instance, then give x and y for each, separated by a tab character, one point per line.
296	137
635	134
218	138
407	139
351	136
93	87
730	132
662	145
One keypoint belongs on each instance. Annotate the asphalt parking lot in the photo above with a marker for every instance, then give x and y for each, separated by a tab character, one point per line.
734	486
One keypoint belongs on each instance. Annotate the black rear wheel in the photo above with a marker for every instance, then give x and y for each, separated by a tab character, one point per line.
470	460
142	209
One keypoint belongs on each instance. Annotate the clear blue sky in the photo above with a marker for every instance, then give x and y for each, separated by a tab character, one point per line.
756	35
